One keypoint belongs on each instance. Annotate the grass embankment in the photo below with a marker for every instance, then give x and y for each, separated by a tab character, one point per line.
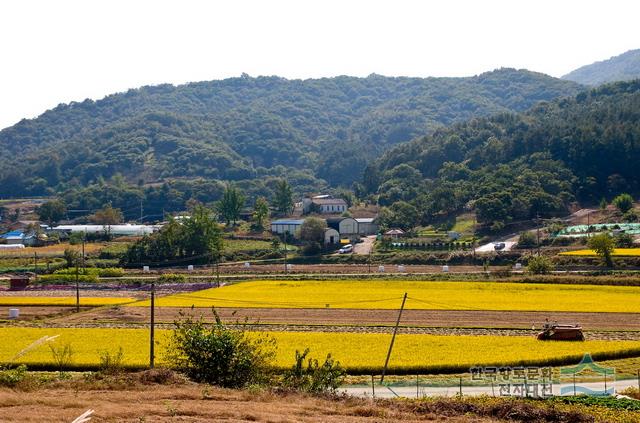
380	294
358	353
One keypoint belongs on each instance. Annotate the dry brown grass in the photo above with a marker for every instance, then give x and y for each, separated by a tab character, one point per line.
137	402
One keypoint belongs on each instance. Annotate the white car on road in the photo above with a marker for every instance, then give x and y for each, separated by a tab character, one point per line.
346	249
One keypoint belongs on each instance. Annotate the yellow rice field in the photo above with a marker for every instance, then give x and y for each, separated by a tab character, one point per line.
64	301
620	252
359	353
377	294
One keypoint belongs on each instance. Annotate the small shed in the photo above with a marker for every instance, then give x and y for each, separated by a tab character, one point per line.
18	283
331	236
286	226
394	233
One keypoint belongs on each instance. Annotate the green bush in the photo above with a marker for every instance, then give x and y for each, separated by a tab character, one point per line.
623	202
527	240
92	271
539	265
219	355
172	278
624	241
111	272
66	278
313	377
13	376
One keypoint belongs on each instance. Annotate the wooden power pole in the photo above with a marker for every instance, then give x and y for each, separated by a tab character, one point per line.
393	338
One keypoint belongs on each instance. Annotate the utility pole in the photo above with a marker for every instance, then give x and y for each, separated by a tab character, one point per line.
285	251
538	231
35	263
473	241
393	338
84	238
77	290
152	325
141	211
218	272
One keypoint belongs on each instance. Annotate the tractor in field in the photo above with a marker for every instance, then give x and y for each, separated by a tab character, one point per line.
560	332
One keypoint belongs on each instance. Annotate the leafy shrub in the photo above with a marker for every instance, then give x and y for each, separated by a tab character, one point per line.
630	216
111	272
219	355
624	241
311	248
527	240
92	271
112	363
623	202
172	278
314	377
64	279
539	265
13	376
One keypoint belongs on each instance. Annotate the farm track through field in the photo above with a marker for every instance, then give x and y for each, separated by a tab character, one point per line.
602	326
365	317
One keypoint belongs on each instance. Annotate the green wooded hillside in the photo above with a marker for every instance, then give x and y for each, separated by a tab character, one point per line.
516	166
244	129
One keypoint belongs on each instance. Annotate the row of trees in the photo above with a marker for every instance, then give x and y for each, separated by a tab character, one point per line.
233	200
229	207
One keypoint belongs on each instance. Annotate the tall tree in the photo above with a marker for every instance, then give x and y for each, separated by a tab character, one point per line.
603	244
260	212
283	200
231	204
107	216
52	211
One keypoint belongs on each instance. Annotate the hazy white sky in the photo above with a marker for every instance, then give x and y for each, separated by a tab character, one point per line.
59	51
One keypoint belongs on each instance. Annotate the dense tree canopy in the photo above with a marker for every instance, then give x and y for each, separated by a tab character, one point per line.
244	129
512	167
196	240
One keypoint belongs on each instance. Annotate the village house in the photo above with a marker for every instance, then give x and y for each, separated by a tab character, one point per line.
324	204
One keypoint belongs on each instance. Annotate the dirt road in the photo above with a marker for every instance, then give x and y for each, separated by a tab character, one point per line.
364	248
363	318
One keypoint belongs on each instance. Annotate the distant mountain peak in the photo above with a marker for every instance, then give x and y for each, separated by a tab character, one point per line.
623	67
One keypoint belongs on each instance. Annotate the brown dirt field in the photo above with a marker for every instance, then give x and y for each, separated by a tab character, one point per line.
199	403
38	312
428	318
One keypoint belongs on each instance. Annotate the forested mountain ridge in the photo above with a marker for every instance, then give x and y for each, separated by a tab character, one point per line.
517	166
240	128
623	67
